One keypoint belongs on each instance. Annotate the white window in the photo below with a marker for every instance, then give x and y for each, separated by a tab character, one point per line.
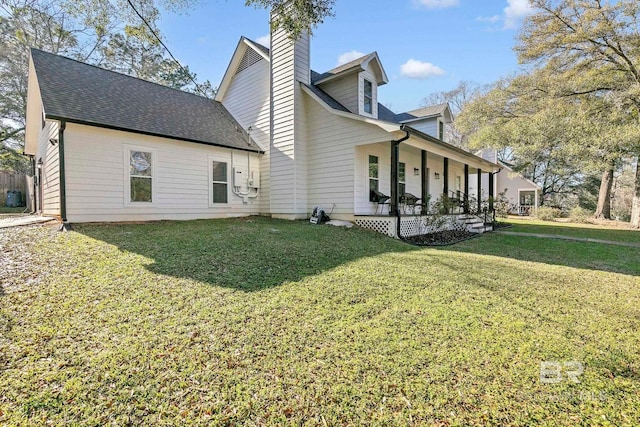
440	131
402	178
373	178
219	181
140	176
368	97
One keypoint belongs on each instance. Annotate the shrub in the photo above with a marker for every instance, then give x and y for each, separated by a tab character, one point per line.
546	213
501	205
579	214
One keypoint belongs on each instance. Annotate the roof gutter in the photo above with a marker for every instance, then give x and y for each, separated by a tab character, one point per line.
443	144
395	156
140	132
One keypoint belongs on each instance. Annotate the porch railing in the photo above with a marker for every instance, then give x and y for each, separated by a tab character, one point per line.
525	210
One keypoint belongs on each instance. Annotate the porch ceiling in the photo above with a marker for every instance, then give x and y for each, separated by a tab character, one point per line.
473	161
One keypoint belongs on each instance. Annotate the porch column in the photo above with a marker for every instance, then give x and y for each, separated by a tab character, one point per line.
536	200
479	190
425	183
466	189
491	195
395	166
445	172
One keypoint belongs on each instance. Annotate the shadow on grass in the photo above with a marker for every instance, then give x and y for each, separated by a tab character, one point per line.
583	255
247	254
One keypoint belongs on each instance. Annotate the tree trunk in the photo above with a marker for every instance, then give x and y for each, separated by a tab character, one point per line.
604	196
635	209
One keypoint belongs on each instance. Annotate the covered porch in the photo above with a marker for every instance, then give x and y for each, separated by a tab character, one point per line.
415	176
528	201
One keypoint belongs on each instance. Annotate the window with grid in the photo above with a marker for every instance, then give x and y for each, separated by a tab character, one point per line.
368	97
140	177
219	182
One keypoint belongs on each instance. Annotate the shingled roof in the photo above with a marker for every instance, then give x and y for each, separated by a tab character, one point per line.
429	111
351	65
86	94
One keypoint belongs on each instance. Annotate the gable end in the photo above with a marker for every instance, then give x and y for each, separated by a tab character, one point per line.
251	57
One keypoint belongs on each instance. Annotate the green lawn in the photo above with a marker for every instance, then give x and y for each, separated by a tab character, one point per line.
266	322
6	210
591	231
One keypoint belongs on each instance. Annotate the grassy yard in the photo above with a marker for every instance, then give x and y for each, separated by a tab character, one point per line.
264	322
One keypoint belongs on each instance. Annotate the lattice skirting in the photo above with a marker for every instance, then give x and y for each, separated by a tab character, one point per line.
379	224
410	226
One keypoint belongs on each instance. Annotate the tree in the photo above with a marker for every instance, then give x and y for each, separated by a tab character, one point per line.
542	137
594	46
296	16
457	98
101	32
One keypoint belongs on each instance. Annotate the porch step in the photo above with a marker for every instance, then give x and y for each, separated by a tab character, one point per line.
480	228
472	223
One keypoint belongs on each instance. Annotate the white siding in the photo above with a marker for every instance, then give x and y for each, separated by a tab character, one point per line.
50	169
37	143
383	152
96	177
505	180
484	190
289	65
332	169
345	91
512	182
34	112
247	99
428	126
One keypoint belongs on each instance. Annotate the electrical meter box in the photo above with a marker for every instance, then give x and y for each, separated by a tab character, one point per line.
254	179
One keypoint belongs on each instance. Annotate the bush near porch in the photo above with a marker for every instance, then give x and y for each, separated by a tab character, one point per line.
264	322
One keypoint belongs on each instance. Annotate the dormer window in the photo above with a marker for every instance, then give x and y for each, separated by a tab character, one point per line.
368	97
441	131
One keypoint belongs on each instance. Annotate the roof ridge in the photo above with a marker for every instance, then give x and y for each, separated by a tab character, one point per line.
255	42
355	61
32	49
433	106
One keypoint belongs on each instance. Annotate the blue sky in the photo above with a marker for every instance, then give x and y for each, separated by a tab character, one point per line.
425	45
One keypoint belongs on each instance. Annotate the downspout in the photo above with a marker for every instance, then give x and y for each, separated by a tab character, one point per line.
63	186
492	188
34	172
395	157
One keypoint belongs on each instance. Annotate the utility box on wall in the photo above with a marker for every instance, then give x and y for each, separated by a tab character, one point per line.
254	179
239	178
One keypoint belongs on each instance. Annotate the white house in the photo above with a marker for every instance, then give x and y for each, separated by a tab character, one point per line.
431	120
277	140
522	194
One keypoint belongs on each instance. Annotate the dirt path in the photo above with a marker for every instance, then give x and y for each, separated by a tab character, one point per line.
575	239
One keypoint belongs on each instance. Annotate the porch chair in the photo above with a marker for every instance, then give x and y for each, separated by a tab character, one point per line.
409	201
379	199
457	201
